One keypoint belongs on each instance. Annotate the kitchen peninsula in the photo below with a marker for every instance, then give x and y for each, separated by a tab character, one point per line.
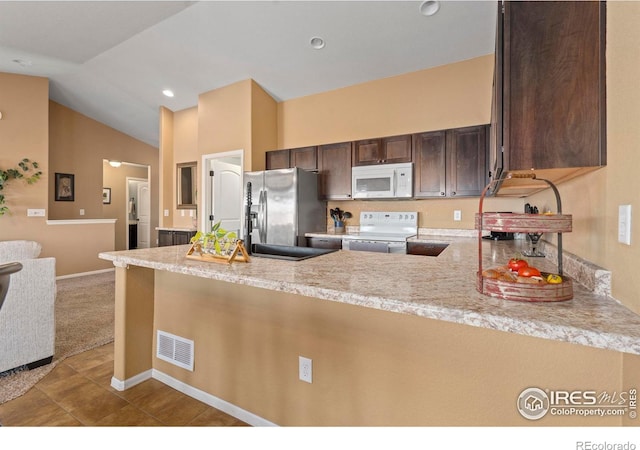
395	339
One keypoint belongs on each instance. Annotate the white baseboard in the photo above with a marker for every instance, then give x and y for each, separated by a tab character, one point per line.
212	400
84	274
122	385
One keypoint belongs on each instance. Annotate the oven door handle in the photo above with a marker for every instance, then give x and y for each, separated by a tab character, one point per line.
369	246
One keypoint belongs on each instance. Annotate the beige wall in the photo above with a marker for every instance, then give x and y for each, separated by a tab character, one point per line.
167	168
24	133
63	141
224	119
79	145
370	367
455	95
185	148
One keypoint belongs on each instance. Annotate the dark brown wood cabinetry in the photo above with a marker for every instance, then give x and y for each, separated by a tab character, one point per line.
450	163
318	242
388	150
425	248
334	168
278	159
305	158
174	237
551	72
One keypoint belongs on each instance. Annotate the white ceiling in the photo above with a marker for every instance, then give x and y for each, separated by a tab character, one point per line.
110	60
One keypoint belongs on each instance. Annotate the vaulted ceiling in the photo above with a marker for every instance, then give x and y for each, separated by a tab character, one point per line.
111	60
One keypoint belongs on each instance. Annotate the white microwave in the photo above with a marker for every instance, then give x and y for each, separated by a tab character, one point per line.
382	181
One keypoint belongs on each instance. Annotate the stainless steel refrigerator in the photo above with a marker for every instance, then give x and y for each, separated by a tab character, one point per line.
281	206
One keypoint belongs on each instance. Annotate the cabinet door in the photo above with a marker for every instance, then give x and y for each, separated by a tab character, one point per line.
388	150
277	159
429	164
554	84
305	158
317	242
165	238
466	161
367	152
396	149
334	168
181	237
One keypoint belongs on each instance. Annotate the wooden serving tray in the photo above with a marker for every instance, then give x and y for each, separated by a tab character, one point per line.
239	253
524	223
526	292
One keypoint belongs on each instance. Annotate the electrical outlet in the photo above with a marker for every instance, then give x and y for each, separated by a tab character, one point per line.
305	369
457	215
82	212
166	213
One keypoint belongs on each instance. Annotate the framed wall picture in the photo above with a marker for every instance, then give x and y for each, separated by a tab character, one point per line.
65	189
106	196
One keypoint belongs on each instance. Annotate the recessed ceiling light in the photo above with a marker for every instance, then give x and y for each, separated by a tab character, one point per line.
429	7
168	92
113	163
317	42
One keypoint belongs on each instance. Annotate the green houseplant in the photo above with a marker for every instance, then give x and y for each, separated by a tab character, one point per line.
216	242
26	170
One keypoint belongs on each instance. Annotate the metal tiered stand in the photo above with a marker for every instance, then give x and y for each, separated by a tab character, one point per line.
524	223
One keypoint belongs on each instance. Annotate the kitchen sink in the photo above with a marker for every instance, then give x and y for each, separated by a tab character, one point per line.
288	252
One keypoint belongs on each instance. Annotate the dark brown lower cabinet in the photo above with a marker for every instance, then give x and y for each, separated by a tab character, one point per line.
174	237
317	242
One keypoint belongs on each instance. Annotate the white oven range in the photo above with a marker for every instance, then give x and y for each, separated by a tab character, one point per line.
383	232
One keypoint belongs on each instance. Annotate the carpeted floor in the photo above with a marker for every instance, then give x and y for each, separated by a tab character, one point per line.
84	320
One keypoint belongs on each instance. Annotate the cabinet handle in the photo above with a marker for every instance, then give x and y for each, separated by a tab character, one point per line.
442	193
453	193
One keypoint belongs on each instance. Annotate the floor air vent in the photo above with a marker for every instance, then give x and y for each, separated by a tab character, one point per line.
175	350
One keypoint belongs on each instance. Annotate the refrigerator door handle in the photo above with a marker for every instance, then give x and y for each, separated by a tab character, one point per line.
262	217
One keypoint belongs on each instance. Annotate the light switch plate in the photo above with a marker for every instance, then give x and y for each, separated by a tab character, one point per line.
624	224
35	212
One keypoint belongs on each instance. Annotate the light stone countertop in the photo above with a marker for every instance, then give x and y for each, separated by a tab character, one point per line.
440	288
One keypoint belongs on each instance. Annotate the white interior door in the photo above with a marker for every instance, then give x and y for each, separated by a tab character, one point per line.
227	195
144	213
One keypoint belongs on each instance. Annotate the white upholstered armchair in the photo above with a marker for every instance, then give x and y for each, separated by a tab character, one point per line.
27	322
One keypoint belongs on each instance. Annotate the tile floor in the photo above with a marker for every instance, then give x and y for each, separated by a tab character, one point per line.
78	393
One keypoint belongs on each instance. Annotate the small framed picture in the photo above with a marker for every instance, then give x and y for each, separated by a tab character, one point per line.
65	189
106	196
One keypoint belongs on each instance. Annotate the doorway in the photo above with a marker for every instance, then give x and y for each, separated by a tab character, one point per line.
222	188
138	213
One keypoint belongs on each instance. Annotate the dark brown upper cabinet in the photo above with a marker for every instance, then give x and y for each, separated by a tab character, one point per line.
451	163
278	159
334	168
305	158
388	150
550	72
